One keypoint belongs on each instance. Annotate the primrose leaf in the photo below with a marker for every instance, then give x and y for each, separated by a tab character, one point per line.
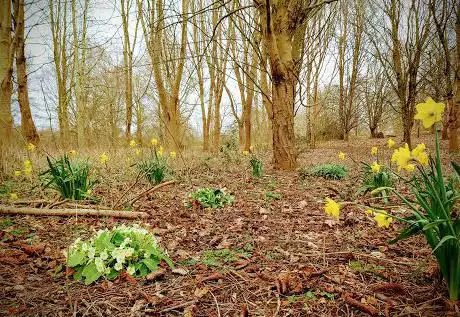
90	273
76	258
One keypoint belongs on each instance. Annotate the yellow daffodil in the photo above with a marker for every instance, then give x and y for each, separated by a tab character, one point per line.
341	155
383	221
374	150
369	212
103	158
160	151
154	142
172	154
409	167
375	167
27	167
31	147
402	157
132	143
73	153
17	173
14	196
429	112
138	152
420	154
245	152
391	143
332	208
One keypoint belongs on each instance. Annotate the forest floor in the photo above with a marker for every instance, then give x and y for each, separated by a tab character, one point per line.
265	255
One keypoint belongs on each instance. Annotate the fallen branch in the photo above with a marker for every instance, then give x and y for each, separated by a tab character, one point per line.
371	310
72	212
150	190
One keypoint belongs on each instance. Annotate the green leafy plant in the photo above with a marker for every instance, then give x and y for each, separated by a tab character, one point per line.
372	181
132	249
70	178
329	171
257	166
154	169
272	196
209	198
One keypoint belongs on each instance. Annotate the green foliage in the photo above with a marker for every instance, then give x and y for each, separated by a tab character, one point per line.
435	214
108	253
257	166
5	188
272	196
372	181
154	169
70	178
359	267
222	256
329	171
5	223
209	198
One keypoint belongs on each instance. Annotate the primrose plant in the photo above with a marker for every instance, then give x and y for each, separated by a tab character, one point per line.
208	198
433	204
132	249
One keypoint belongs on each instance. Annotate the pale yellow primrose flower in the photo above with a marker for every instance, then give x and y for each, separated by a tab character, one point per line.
332	208
391	143
31	147
375	167
383	221
429	112
341	155
103	158
374	150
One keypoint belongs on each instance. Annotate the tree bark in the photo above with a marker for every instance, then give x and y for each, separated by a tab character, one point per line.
27	123
6	73
454	114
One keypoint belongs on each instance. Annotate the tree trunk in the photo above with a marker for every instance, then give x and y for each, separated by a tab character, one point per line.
408	121
283	123
27	124
454	114
6	73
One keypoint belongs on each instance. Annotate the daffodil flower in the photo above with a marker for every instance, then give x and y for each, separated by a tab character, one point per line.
391	143
245	152
376	167
103	158
72	153
132	143
420	155
172	154
31	147
154	142
14	196
429	112
332	208
374	150
17	173
383	221
341	155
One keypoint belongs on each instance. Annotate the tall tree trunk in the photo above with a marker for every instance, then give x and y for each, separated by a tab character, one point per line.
6	73
27	124
454	114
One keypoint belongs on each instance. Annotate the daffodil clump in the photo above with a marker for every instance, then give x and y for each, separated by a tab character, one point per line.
110	252
433	203
156	168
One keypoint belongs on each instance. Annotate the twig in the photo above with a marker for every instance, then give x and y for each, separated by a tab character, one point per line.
150	190
72	212
117	203
371	310
192	302
217	304
57	203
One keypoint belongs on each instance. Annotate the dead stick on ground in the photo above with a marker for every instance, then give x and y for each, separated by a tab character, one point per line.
371	310
150	190
174	307
117	203
72	212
